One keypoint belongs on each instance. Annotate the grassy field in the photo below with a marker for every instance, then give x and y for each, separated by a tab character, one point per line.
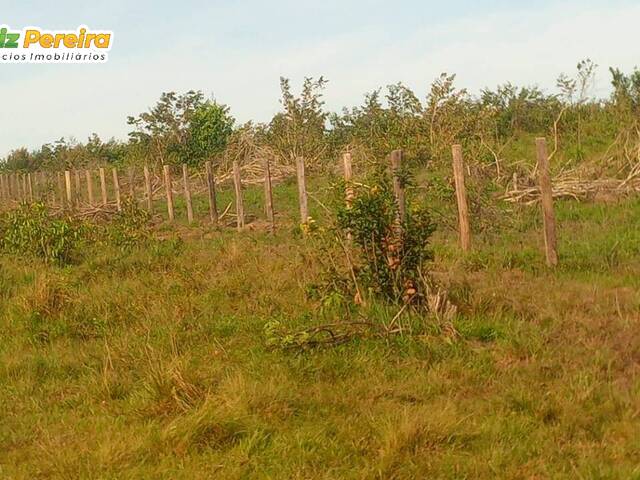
153	363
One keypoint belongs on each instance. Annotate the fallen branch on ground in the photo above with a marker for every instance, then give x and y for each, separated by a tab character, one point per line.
567	186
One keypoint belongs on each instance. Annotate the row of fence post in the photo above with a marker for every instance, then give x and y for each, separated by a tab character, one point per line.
464	227
30	187
65	188
16	186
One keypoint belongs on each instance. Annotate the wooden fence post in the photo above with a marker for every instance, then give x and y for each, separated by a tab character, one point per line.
461	197
39	187
3	188
149	190
116	189
398	187
89	180
25	187
103	186
132	184
77	194
6	188
211	188
168	185
187	192
67	184
268	196
30	187
13	186
18	184
16	187
349	193
546	193
10	188
19	192
36	186
348	179
302	191
237	182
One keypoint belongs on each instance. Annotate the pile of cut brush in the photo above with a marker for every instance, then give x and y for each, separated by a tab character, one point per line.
573	185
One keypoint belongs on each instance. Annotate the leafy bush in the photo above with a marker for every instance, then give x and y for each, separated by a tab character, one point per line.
210	128
387	256
33	230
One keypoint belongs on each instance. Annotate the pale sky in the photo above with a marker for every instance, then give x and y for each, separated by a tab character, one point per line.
236	51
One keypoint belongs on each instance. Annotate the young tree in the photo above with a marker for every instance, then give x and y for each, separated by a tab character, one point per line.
378	129
19	159
209	131
446	114
166	129
300	129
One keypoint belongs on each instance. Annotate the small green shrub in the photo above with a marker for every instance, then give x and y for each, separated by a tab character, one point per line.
33	230
389	254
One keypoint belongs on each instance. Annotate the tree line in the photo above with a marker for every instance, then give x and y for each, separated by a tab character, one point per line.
189	128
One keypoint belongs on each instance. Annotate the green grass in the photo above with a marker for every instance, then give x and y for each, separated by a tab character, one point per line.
153	363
